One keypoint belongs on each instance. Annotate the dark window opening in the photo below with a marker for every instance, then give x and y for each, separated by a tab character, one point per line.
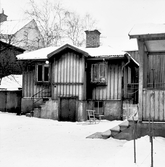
46	73
39	73
42	73
98	105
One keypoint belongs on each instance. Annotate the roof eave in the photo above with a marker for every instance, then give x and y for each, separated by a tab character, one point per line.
106	57
153	36
38	59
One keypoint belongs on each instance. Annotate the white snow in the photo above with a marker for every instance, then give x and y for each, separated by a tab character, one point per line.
37	54
12	26
150	28
33	142
103	51
11	82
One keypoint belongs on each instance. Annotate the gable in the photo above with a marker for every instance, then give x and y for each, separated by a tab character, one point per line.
67	48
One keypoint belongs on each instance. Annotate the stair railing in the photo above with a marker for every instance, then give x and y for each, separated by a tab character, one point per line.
39	98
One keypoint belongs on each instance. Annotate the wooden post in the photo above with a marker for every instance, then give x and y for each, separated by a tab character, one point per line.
141	76
134	137
151	140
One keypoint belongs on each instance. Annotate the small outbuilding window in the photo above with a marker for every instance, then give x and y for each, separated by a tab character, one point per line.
98	73
42	73
98	105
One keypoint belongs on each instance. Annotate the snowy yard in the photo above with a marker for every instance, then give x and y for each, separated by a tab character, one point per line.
33	142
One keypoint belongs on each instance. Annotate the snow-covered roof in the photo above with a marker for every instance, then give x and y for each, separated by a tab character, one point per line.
68	46
10	27
147	29
104	51
37	54
11	82
153	35
44	53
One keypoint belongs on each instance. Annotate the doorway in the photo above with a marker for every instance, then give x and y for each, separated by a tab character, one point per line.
67	109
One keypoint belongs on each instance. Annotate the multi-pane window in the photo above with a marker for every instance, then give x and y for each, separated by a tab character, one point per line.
42	73
98	105
98	72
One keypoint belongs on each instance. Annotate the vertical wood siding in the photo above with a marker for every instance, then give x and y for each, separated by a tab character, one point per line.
154	105
68	76
134	55
113	88
30	88
156	69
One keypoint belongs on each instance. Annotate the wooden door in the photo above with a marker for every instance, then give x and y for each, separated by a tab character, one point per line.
67	109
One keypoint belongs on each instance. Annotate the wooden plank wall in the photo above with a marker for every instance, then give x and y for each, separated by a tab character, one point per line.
153	105
113	90
156	69
134	55
30	88
68	73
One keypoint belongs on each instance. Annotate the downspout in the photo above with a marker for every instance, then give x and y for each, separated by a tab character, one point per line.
122	86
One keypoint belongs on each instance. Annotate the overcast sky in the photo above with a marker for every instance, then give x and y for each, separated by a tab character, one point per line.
115	18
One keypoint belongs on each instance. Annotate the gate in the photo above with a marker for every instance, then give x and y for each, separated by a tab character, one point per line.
67	109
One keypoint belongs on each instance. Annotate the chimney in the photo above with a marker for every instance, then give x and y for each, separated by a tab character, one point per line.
3	17
92	39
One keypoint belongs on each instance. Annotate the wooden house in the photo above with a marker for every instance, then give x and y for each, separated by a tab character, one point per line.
21	33
151	46
62	83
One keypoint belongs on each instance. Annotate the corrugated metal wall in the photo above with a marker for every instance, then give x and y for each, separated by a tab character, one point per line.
113	88
68	76
154	105
30	88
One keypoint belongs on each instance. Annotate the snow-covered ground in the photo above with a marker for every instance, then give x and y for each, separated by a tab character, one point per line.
32	142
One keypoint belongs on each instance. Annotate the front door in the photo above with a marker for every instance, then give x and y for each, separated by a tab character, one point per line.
67	109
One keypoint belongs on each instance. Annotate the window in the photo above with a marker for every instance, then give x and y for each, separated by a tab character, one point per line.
42	73
98	73
98	105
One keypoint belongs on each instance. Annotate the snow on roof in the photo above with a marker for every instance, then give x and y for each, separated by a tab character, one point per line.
102	51
37	54
12	26
147	29
11	82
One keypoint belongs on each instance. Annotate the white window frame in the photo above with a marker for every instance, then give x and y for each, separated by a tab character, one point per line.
43	73
99	78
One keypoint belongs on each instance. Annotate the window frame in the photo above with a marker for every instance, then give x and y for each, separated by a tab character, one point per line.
42	80
96	73
99	108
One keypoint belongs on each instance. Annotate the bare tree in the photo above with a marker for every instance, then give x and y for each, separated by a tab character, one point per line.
58	25
8	63
76	25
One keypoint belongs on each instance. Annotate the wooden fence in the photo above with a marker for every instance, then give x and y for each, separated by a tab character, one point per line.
130	110
153	105
10	101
